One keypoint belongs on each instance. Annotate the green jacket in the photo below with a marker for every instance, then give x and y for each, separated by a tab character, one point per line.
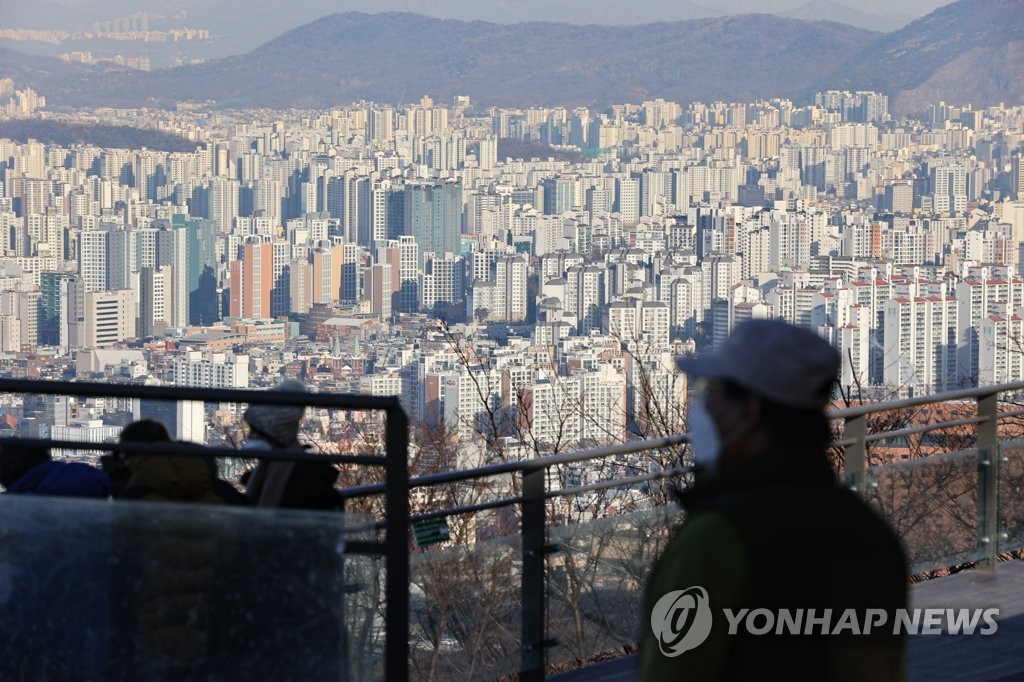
779	533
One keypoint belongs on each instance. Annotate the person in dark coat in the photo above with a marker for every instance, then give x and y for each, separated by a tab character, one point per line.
171	478
29	470
294	485
769	527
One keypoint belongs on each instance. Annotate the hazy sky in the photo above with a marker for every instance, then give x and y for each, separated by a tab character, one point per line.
917	7
914	7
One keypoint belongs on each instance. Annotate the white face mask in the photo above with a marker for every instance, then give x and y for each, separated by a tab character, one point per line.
704	438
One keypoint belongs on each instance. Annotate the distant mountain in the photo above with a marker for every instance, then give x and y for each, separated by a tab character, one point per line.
241	25
393	57
44	73
967	52
824	10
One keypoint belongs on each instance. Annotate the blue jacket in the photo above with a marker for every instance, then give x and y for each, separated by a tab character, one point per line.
67	479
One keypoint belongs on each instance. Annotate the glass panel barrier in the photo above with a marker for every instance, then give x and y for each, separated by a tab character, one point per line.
932	504
596	581
464	606
1010	527
98	590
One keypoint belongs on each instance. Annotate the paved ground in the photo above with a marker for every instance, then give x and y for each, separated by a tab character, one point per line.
993	658
972	657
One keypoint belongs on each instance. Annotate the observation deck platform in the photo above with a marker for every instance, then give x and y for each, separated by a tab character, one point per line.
972	658
560	586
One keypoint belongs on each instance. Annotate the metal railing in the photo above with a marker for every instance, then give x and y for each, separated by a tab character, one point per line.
533	522
857	441
985	418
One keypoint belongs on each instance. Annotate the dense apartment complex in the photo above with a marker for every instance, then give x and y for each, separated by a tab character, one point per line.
391	250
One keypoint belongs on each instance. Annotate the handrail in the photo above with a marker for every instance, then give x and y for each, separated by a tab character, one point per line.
535	463
669	441
874	437
618	482
338	401
457	475
195	450
945	397
550	494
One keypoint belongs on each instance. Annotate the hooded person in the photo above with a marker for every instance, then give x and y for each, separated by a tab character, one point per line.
168	478
296	485
768	527
162	477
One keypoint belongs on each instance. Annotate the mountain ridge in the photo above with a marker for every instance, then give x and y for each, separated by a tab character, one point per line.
958	53
350	56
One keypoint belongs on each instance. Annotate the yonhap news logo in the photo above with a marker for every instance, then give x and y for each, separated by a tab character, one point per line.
682	619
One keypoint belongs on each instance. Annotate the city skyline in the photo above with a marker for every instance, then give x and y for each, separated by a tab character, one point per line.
679	222
352	241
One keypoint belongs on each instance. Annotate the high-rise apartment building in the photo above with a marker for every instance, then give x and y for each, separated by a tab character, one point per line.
433	216
442	284
251	281
402	255
206	370
899	197
559	195
949	184
920	344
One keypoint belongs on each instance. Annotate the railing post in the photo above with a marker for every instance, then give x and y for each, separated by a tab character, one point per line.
855	454
533	592
988	479
396	552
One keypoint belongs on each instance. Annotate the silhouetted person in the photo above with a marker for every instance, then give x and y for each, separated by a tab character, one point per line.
115	466
29	470
768	527
297	485
171	478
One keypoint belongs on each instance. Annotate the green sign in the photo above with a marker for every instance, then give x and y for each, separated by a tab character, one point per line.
430	532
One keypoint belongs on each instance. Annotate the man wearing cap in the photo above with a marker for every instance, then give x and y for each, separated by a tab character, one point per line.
768	527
